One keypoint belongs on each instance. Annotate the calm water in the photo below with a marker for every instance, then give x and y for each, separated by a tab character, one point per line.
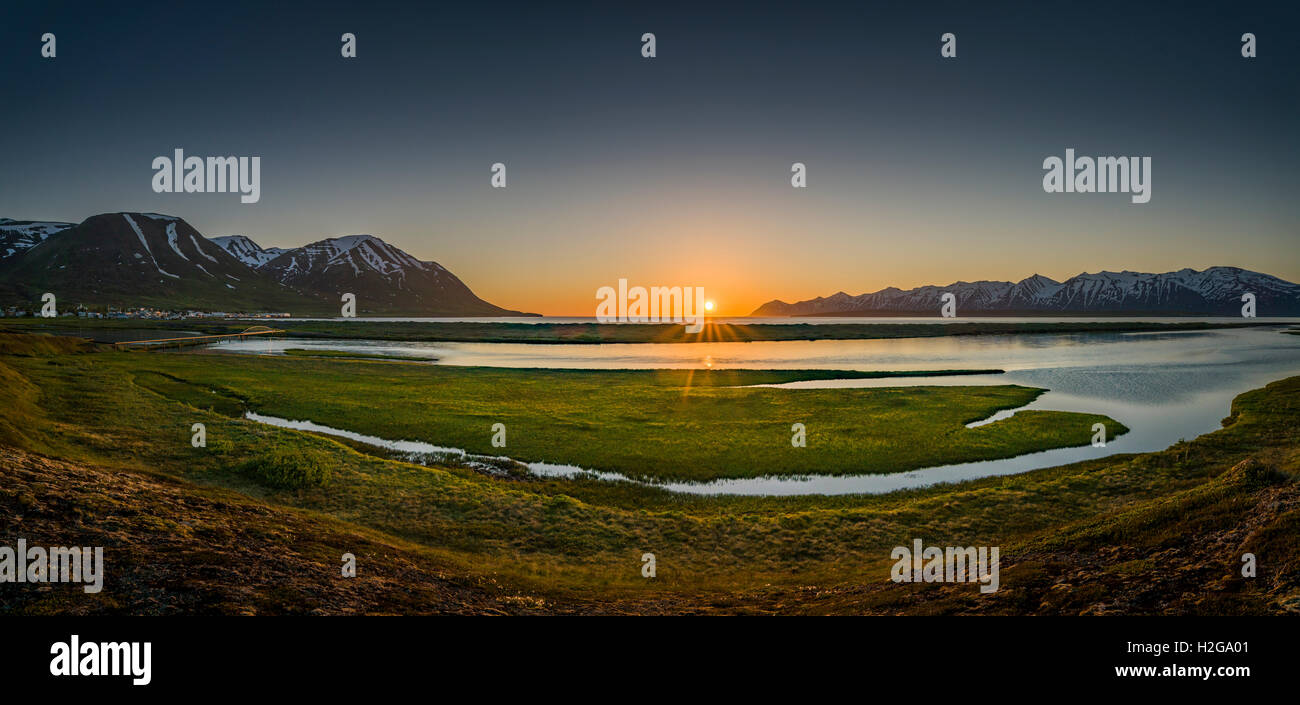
1163	386
811	320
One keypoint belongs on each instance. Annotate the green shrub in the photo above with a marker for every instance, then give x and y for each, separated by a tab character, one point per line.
288	469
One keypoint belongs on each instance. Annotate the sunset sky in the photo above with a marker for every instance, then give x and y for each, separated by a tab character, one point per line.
676	170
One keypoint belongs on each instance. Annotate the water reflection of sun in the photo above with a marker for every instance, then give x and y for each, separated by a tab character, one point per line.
711	333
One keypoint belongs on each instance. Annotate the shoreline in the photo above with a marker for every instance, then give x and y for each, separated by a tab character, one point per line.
101	330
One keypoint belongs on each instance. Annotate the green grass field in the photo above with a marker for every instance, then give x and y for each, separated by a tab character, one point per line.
658	425
581	540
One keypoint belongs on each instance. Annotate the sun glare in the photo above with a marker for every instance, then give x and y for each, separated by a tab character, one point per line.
708	305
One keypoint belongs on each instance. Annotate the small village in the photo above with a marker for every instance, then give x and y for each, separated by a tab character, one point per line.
138	313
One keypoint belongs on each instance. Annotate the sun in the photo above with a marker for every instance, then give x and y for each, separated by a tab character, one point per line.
708	305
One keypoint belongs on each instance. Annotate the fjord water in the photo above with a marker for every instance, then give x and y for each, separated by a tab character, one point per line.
1163	386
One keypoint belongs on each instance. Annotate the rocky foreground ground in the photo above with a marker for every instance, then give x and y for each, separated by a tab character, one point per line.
176	548
173	548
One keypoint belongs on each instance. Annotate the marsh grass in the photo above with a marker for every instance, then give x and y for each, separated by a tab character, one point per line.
658	425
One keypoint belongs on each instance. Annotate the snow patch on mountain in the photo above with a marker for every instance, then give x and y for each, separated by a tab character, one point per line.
206	256
171	240
21	235
242	248
138	233
145	242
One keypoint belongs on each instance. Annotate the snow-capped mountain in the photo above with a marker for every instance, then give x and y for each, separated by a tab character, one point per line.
1214	291
1027	292
143	259
148	259
245	250
383	278
21	235
355	253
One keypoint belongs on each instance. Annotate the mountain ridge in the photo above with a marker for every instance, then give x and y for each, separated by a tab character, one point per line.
370	268
1212	291
130	259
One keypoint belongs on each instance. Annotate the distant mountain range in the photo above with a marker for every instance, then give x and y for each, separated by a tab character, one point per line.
148	259
1217	291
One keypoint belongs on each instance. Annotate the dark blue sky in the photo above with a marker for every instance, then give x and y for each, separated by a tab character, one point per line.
675	170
